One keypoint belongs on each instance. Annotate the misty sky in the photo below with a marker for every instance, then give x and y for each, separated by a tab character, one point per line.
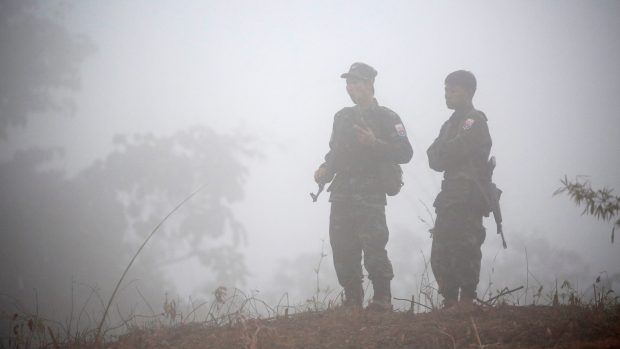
548	80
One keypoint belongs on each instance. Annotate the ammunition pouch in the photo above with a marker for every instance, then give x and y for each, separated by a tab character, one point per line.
391	178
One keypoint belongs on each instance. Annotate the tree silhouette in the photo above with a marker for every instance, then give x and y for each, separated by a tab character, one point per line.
61	234
39	61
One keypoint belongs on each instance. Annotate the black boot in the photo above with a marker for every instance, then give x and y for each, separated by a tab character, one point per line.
382	297
468	295
450	297
354	295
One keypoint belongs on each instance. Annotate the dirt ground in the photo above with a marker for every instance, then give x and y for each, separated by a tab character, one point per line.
474	327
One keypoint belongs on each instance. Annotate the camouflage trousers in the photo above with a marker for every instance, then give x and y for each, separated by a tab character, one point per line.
354	231
455	254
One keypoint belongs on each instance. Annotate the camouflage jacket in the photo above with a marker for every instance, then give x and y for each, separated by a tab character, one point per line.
355	165
461	152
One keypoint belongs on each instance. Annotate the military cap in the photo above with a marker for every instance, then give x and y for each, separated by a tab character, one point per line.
361	71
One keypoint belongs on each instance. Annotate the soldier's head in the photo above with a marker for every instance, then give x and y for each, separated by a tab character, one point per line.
460	87
360	82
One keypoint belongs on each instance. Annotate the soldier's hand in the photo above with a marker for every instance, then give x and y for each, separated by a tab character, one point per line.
321	176
365	136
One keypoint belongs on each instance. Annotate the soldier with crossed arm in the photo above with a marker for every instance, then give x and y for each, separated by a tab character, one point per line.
461	152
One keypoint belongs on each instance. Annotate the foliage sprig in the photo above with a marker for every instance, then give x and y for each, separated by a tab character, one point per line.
600	203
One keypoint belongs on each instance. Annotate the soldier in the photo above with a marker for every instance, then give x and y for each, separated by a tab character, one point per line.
461	152
365	138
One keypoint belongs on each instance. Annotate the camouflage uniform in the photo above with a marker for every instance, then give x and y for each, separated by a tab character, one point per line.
460	151
357	220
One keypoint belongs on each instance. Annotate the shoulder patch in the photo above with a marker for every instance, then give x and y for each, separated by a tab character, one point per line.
468	124
400	129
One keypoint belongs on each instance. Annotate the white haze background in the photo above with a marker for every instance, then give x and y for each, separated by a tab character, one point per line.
548	77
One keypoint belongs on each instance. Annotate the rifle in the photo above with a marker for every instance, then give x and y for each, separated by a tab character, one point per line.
491	194
497	211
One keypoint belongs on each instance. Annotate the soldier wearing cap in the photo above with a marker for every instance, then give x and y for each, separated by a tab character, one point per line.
363	137
461	152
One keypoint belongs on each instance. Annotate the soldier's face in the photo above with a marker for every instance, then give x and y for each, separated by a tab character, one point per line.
457	96
359	90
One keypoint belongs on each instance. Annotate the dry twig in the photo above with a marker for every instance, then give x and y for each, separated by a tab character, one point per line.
476	332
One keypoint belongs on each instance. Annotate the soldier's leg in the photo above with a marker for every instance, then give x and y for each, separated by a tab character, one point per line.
443	251
347	252
473	235
374	235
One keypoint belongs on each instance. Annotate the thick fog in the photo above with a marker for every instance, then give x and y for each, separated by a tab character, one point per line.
240	96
